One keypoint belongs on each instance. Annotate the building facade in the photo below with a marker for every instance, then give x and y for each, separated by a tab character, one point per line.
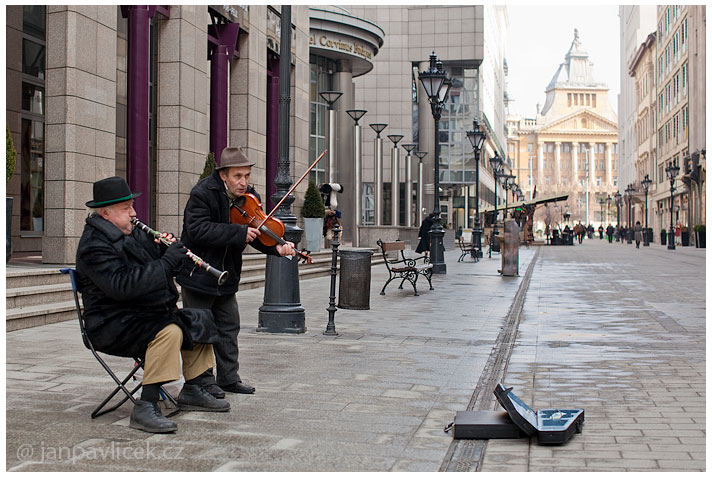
642	70
571	145
680	99
392	94
147	92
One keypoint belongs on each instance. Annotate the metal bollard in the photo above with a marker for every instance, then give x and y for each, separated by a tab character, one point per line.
331	327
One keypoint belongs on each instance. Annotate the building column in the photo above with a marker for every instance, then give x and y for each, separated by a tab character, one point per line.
539	164
183	111
557	158
574	163
609	164
80	125
345	161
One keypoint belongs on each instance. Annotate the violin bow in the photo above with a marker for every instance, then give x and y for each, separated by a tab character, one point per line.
292	188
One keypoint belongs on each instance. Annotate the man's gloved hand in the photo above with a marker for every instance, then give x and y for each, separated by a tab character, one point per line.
174	255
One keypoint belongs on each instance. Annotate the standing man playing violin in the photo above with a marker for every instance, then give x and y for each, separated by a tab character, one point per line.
207	232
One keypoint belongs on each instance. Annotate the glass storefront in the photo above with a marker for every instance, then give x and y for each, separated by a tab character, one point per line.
457	160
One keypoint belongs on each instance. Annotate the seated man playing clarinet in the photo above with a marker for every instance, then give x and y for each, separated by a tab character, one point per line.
129	296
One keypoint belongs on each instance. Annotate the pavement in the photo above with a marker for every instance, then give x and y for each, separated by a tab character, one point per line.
616	331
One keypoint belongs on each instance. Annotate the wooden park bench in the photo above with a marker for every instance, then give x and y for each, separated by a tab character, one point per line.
404	268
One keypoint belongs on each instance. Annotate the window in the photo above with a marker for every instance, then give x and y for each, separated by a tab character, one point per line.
568	97
684	79
566	147
319	81
683	34
32	143
368	204
530	147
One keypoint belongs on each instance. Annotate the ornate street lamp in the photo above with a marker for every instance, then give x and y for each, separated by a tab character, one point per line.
378	174
671	172
497	165
629	193
646	184
433	80
330	97
395	180
409	147
477	139
419	201
507	182
618	210
602	202
356	115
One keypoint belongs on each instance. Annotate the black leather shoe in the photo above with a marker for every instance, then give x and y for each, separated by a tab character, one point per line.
238	387
214	390
147	416
197	397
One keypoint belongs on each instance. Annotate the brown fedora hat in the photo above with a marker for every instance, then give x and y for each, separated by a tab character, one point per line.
233	158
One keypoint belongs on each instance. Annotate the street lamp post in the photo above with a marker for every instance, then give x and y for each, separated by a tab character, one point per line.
497	165
331	97
378	174
433	80
618	212
356	115
409	147
646	184
477	139
395	180
608	208
629	193
671	172
602	202
419	201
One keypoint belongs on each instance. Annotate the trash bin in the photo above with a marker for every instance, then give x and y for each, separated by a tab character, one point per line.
355	279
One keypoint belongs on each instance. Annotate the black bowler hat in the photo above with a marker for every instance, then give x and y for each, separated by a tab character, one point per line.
111	191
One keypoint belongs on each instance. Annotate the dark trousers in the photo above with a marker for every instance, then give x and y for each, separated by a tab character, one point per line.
227	320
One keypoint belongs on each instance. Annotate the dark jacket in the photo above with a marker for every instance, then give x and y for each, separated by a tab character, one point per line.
208	233
128	293
424	234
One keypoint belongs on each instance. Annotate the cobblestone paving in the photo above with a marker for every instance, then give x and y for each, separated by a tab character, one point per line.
374	398
619	332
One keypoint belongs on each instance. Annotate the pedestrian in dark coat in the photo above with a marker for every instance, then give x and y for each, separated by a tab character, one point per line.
600	232
424	234
126	281
609	232
638	231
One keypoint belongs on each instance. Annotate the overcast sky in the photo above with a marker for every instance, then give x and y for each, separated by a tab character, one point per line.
537	42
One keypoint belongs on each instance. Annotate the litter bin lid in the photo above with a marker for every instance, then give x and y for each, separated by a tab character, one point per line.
356	250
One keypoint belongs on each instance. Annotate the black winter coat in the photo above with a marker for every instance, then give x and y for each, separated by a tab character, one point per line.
128	293
424	234
208	233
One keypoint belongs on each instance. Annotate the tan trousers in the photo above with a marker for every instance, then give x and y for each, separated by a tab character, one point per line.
163	357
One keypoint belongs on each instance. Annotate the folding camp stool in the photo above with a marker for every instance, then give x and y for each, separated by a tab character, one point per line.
171	409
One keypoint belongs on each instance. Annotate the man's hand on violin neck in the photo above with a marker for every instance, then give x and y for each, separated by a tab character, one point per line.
252	234
286	249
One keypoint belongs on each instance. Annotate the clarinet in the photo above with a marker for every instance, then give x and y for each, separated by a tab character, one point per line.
220	275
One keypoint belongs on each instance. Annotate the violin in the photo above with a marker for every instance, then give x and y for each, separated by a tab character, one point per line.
247	210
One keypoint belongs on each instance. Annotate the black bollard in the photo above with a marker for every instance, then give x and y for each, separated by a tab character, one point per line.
330	327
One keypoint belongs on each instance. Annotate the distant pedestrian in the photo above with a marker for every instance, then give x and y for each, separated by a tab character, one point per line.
600	231
590	231
609	233
424	234
617	233
624	234
638	234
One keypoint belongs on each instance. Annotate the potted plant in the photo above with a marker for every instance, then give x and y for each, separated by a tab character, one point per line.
648	232
685	236
663	237
700	235
313	213
10	154
209	167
